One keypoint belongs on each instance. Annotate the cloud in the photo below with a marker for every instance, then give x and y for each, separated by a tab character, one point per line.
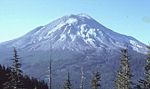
146	19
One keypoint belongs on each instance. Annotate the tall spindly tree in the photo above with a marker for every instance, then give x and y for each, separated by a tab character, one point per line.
82	79
50	74
123	80
15	74
67	82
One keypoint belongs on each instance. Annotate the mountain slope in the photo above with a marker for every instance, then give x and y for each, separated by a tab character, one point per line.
76	40
70	31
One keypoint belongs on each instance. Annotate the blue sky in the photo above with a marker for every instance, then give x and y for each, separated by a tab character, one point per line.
129	17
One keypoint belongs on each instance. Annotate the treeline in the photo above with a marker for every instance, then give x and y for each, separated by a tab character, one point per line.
28	83
123	77
13	78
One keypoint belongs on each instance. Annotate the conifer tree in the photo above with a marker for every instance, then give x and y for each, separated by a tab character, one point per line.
15	74
123	80
67	83
145	84
96	80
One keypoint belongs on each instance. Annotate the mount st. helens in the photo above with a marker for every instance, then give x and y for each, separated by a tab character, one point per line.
75	41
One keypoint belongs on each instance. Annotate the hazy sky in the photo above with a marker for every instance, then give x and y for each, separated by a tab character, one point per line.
130	17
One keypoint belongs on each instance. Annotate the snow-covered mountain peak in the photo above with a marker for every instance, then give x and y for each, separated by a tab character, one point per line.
69	20
76	40
76	32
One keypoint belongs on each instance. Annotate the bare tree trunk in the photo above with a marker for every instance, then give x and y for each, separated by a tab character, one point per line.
50	67
82	78
50	74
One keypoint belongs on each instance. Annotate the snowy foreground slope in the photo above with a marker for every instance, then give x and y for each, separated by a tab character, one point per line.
75	41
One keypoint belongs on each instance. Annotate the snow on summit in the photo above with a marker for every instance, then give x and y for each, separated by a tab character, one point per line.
77	32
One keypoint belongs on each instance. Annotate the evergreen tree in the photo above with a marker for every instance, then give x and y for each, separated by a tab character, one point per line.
67	83
96	80
123	80
15	74
3	75
145	84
